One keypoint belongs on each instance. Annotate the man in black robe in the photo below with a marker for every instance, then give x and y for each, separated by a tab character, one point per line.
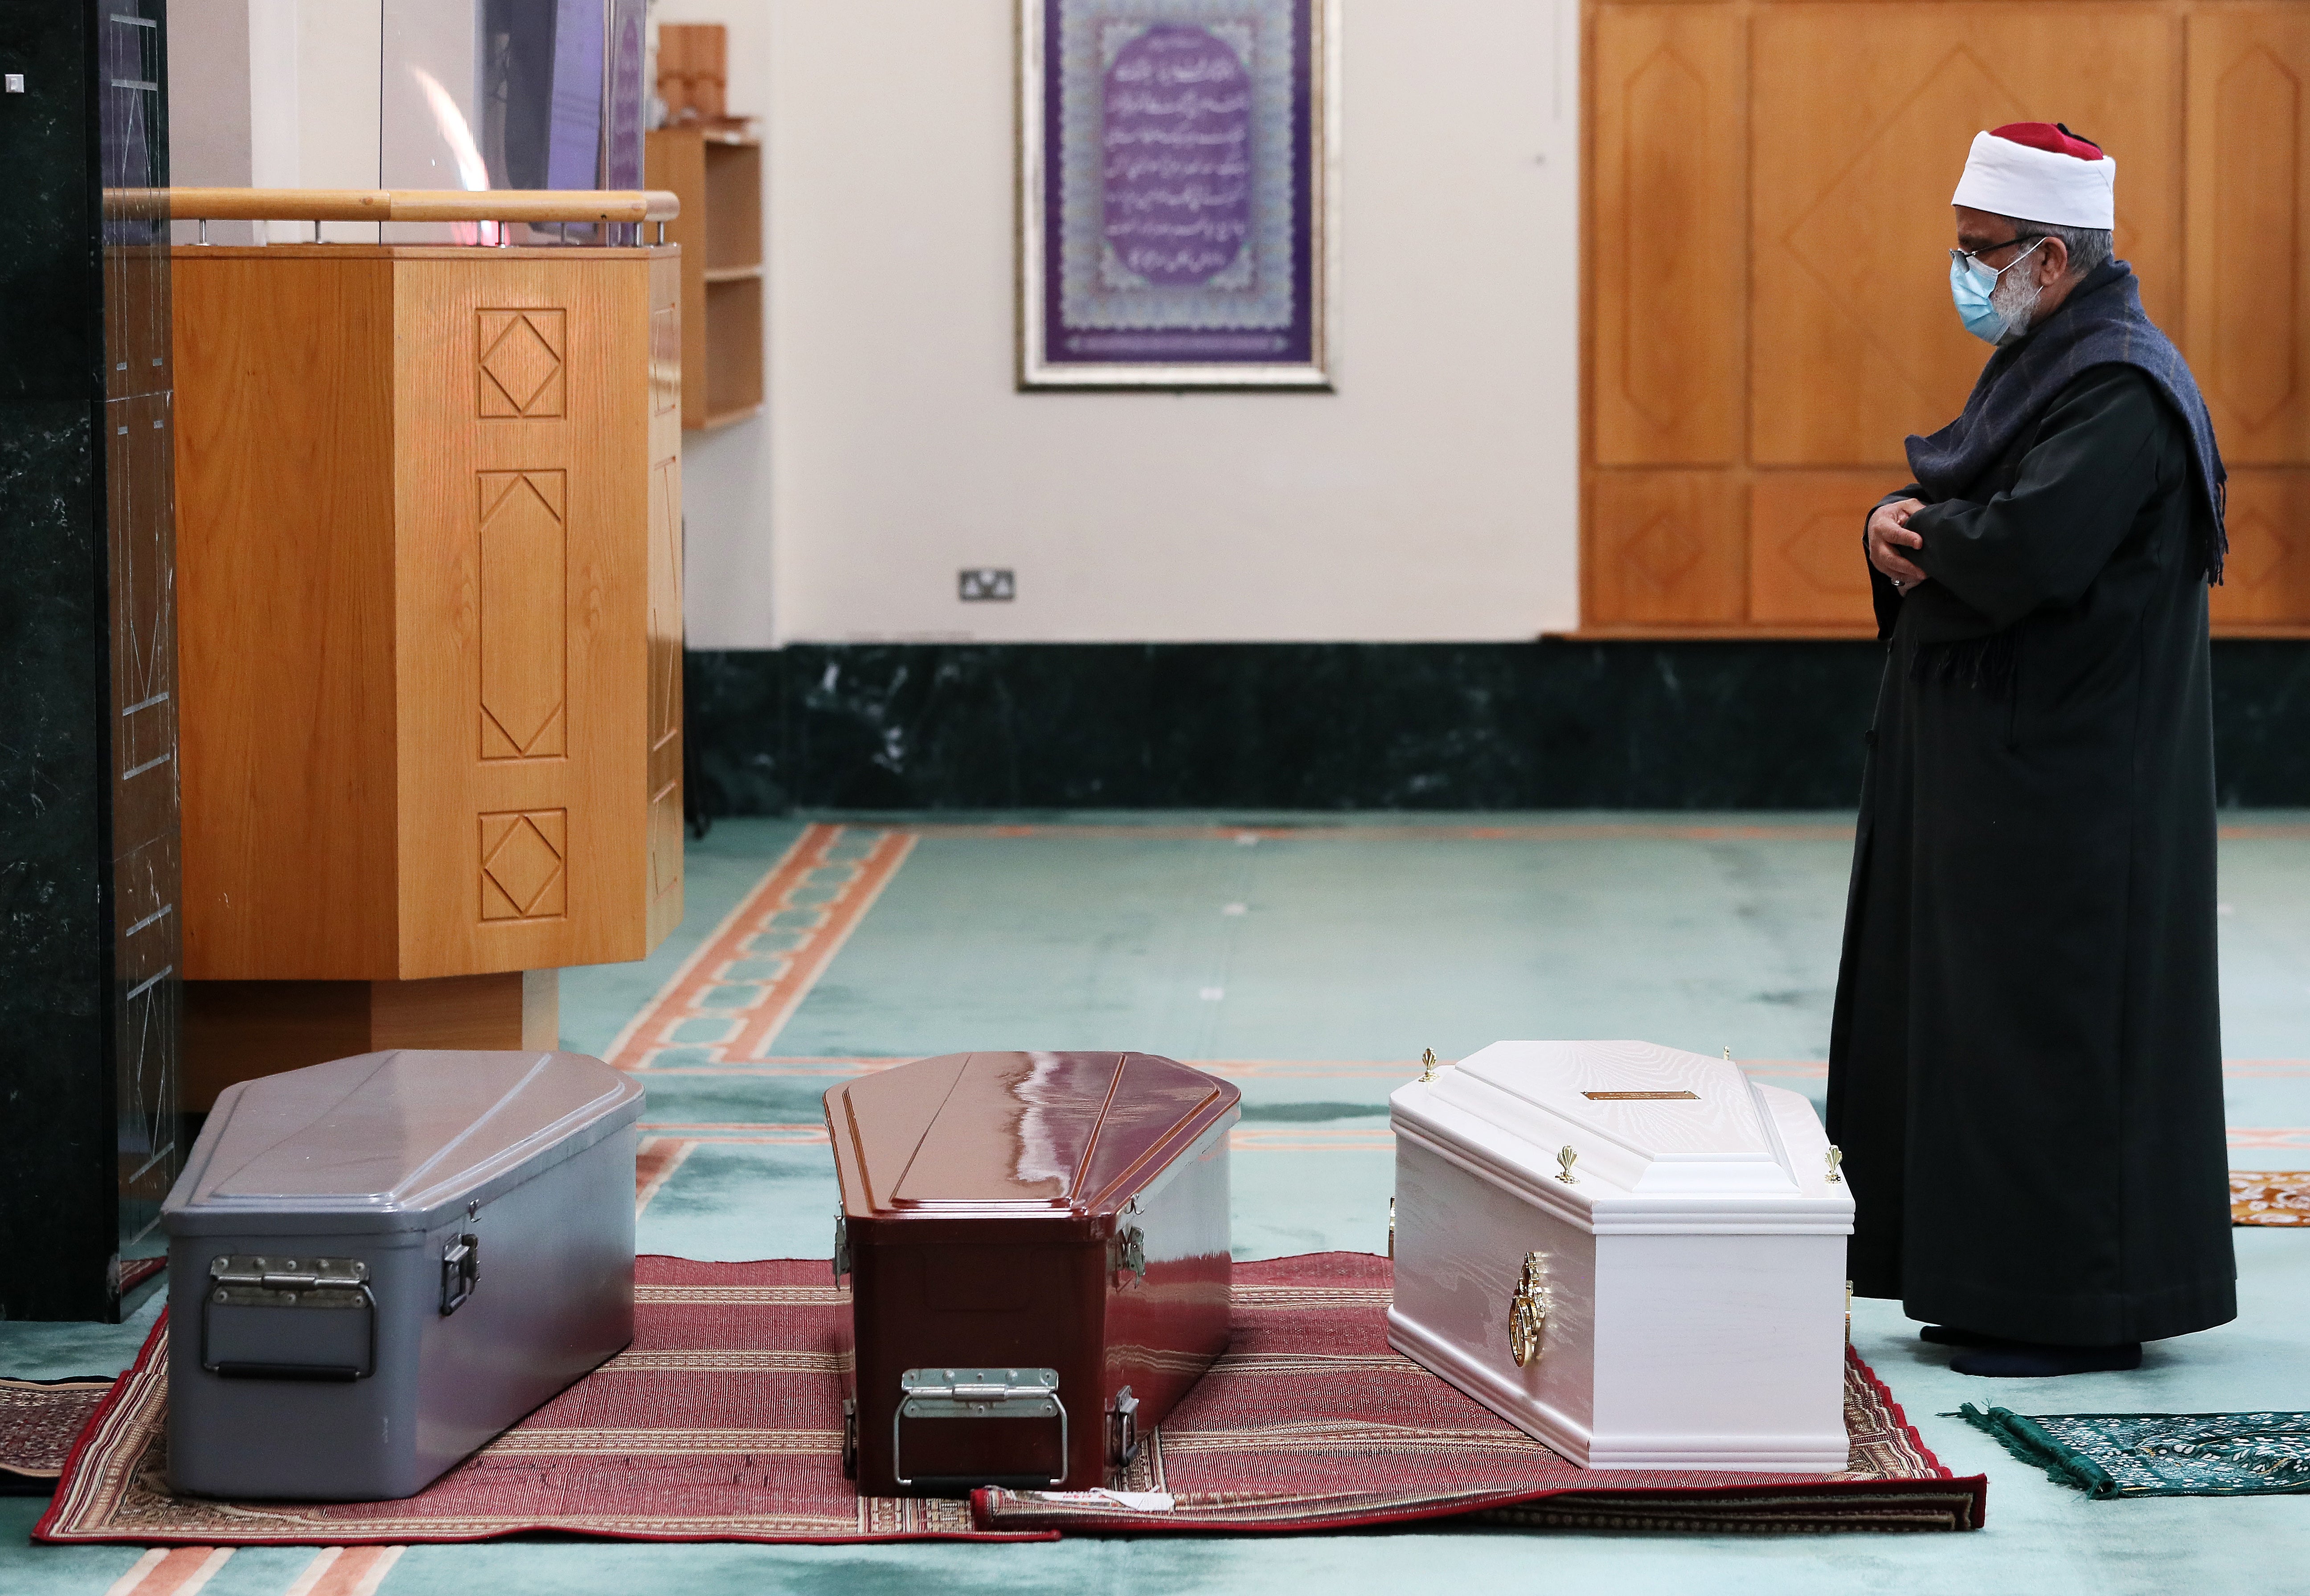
2025	1063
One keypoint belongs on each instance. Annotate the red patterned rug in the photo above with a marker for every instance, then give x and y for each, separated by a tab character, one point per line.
39	1420
722	1423
1311	1423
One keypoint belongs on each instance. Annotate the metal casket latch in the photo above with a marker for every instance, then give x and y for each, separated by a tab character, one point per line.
246	1332
978	1394
1123	1429
460	1269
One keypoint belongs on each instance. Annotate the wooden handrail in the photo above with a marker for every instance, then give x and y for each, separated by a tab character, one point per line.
401	205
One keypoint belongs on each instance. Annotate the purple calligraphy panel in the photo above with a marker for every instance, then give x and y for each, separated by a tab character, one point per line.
1178	156
1182	193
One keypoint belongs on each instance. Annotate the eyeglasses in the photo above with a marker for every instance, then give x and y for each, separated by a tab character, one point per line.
1972	258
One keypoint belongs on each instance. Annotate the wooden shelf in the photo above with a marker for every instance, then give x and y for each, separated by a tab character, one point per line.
734	203
718	176
734	347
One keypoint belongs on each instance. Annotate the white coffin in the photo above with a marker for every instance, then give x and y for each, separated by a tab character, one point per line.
1695	1261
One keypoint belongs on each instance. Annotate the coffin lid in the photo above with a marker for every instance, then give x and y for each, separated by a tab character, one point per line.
391	1141
1639	1115
1018	1133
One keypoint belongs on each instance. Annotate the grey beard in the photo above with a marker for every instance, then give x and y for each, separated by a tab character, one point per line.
2014	303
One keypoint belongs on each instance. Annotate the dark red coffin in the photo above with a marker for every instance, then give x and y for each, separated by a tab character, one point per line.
1036	1247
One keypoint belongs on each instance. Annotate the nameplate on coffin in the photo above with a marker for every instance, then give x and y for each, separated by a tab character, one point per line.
1635	1113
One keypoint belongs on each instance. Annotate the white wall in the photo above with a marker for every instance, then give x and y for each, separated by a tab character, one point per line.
273	94
338	49
727	509
208	93
1432	496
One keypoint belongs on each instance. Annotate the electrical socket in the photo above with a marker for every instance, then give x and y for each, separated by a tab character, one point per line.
986	584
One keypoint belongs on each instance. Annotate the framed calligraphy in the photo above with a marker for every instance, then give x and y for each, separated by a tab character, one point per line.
1178	195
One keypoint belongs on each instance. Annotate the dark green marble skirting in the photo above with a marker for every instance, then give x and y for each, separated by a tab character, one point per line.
89	933
1352	725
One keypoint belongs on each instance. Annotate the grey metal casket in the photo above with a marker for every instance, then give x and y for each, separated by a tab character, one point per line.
377	1264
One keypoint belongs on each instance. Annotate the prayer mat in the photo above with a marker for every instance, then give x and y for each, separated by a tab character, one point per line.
39	1420
2158	1454
723	1422
2269	1197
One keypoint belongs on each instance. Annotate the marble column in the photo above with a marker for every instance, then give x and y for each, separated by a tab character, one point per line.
90	998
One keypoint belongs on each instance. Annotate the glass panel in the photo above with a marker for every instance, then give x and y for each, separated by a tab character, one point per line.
133	150
481	94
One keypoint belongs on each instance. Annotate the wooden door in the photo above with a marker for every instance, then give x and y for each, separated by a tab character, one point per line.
1665	325
2246	329
1767	308
1871	109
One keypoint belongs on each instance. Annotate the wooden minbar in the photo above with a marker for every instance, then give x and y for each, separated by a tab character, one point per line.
430	582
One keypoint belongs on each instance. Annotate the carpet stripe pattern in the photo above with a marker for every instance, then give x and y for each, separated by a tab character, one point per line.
177	1572
346	1571
737	991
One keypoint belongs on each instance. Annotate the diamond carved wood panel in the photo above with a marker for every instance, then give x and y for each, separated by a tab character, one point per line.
1823	336
1667	199
2266	580
521	363
1872	109
2246	336
1667	547
524	562
1806	566
525	874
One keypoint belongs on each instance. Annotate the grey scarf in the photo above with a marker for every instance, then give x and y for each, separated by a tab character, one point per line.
2100	324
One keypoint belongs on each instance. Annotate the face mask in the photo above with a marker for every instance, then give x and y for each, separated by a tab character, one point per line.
1970	292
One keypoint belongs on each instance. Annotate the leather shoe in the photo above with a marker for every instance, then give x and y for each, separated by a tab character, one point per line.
2023	1360
1950	1335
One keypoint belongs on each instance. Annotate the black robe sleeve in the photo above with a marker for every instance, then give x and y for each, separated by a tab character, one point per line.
1883	597
2042	541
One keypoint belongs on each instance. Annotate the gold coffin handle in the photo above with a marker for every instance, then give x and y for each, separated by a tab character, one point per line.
1528	1311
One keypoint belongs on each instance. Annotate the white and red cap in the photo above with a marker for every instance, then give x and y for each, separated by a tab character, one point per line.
2039	171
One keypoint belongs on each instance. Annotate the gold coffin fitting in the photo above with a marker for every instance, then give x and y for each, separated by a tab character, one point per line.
1528	1311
